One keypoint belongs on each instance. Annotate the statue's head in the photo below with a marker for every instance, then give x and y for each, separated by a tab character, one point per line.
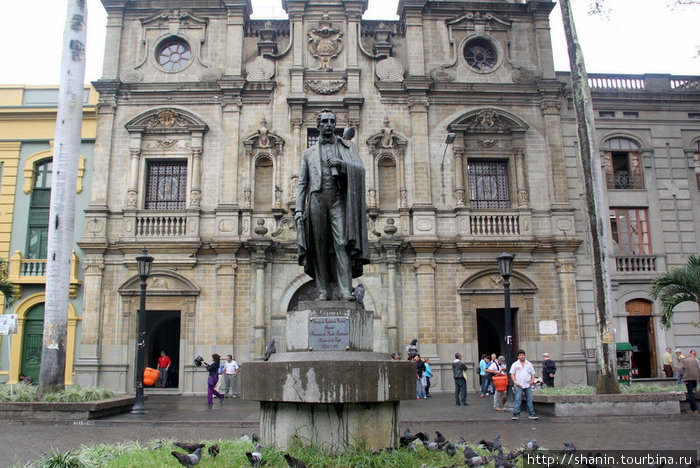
325	122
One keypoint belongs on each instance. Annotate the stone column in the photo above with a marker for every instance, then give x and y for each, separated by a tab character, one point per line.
413	15
259	247
550	105
418	110
196	187
427	312
234	36
230	165
87	365
460	194
521	183
226	267
392	246
133	190
110	64
566	276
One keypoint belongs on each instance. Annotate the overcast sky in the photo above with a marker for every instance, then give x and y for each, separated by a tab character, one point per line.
637	36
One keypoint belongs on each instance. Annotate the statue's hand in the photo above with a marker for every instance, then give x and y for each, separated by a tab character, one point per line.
297	216
335	162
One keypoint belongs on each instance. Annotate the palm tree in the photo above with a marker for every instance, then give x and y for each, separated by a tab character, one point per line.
675	286
7	289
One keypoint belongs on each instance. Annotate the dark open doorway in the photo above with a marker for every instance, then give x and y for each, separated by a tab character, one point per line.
639	338
490	324
163	333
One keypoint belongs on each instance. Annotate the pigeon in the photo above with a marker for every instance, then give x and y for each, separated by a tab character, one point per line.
190	448
188	459
254	457
270	349
439	438
532	445
477	460
461	441
349	133
294	462
423	437
432	446
412	447
494	445
450	449
244	438
501	463
569	447
255	438
470	452
213	450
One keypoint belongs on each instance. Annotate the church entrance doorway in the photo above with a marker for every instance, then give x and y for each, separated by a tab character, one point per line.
490	325
163	334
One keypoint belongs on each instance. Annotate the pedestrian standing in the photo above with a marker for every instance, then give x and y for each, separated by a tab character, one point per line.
690	373
230	373
523	376
459	373
549	368
164	363
427	374
668	363
677	365
483	375
420	377
499	378
212	379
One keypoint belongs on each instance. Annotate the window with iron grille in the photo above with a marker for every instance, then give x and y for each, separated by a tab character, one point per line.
38	229
166	185
697	163
312	135
623	164
630	231
488	184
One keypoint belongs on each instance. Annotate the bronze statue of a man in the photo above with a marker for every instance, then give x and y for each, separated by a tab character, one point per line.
330	212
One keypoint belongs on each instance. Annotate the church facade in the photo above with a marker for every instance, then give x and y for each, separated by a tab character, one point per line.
468	138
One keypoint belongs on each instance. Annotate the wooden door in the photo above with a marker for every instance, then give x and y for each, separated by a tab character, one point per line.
640	313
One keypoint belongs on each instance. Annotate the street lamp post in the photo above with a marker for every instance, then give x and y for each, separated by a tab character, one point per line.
144	262
505	267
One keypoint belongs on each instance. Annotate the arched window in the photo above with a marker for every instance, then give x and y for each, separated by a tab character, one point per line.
263	184
38	230
623	164
388	193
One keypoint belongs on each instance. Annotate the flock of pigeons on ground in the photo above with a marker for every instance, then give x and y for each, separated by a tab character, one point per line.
408	441
194	453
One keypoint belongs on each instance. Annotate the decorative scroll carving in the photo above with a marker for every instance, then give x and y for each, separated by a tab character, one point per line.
522	76
325	43
442	74
166	118
260	69
325	87
487	118
390	69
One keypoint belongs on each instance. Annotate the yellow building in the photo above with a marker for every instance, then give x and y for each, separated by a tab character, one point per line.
27	127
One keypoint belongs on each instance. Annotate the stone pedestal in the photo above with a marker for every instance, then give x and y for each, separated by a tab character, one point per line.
329	388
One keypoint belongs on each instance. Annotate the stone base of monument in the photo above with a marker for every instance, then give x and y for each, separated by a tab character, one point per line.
330	389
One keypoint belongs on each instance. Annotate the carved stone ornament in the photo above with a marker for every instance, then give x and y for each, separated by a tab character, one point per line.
210	74
324	86
263	135
131	76
441	74
487	119
487	143
166	118
325	43
260	69
390	69
522	76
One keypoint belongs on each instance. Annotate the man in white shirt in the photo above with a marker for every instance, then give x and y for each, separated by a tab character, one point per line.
523	376
230	372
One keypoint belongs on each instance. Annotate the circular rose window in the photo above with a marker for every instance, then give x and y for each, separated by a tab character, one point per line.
174	54
481	55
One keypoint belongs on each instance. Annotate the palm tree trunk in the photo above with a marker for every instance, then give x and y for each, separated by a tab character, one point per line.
596	207
62	210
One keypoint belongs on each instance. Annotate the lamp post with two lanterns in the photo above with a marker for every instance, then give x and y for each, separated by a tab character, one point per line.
505	268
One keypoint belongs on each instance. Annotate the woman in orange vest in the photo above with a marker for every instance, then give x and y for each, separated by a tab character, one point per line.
497	369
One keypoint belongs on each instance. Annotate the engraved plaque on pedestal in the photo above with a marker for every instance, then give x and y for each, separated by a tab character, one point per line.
330	326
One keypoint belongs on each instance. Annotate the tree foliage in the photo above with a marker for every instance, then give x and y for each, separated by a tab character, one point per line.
7	289
678	285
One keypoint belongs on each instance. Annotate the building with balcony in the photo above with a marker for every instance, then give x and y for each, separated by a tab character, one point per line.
27	126
202	117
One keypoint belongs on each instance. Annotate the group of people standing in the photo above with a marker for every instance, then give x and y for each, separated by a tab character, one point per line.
423	370
229	369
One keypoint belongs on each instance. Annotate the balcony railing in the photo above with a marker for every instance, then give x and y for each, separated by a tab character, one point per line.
649	83
160	225
636	263
494	225
23	271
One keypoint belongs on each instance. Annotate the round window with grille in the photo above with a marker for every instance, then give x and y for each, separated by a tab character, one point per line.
480	54
174	54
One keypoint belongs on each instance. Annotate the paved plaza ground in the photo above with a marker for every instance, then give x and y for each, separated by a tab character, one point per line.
187	418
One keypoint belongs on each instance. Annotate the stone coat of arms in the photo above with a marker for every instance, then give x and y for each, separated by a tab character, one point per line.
325	43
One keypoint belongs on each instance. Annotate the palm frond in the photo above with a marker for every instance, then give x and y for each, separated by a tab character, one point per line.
681	284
